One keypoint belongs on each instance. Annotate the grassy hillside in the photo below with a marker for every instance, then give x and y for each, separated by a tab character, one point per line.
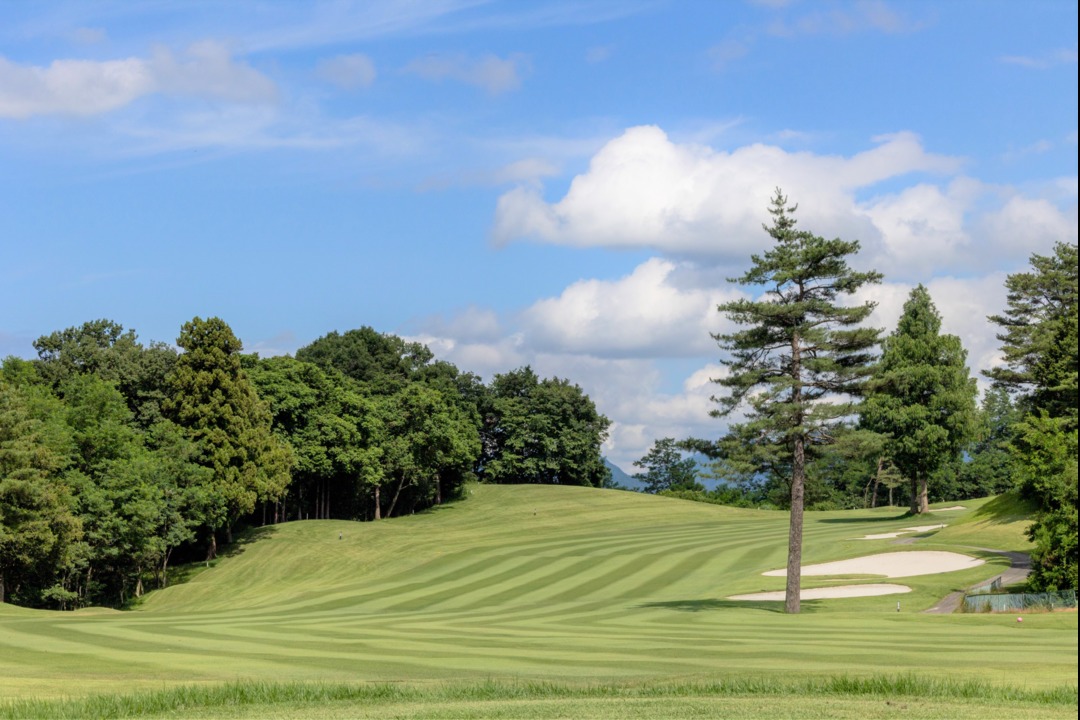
570	585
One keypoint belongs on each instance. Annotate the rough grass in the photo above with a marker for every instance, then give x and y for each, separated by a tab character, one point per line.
569	586
517	699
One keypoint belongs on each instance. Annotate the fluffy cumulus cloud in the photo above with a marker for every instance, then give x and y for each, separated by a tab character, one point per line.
644	190
964	305
624	340
646	314
631	393
85	87
494	74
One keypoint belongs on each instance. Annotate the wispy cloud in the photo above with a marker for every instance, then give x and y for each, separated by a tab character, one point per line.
599	53
349	72
848	19
1062	56
88	87
726	52
494	74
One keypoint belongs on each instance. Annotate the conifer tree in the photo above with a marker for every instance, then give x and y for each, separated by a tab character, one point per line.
801	353
216	404
922	396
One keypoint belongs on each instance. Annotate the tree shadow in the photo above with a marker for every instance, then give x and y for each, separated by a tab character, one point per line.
707	604
906	515
244	538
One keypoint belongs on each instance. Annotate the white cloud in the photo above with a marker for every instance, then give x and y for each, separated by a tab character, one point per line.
922	227
494	74
349	72
208	70
87	87
1024	225
964	304
71	87
643	190
645	314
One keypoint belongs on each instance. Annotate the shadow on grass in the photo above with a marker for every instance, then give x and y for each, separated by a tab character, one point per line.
864	520
245	538
1006	508
185	572
707	604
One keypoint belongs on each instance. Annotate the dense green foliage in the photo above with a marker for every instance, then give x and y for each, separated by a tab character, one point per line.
219	410
801	353
542	431
667	469
1039	342
116	457
922	396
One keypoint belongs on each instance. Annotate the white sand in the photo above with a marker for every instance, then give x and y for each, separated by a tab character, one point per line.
841	591
954	507
892	565
905	531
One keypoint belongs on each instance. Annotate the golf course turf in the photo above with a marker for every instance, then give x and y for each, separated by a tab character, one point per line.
539	601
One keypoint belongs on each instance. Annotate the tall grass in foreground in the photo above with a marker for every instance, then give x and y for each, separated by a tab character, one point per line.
232	695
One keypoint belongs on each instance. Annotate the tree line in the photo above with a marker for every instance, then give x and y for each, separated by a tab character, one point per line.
830	421
117	458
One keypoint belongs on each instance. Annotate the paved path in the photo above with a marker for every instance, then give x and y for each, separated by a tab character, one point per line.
1018	572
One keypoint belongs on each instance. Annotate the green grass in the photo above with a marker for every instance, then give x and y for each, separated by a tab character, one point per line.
575	587
517	699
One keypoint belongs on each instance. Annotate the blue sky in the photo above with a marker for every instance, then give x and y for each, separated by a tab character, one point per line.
561	184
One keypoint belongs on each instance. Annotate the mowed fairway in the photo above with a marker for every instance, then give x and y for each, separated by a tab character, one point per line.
534	583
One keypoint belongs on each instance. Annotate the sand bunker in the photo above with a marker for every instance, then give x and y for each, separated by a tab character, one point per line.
892	565
830	593
905	531
954	507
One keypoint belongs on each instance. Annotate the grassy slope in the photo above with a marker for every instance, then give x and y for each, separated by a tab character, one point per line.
570	584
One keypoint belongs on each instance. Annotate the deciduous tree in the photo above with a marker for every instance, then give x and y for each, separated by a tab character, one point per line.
543	431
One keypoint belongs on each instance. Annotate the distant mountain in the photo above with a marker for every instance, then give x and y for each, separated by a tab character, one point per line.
622	479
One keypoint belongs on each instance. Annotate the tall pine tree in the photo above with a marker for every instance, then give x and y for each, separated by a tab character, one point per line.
800	353
216	404
922	396
1039	342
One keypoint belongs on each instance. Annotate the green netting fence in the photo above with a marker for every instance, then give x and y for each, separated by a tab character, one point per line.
1010	602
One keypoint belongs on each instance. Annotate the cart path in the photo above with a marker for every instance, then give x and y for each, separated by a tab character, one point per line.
1018	571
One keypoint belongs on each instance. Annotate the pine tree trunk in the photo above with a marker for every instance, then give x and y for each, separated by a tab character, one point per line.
914	508
211	548
792	597
378	510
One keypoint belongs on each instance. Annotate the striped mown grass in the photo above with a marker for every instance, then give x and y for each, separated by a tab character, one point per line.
533	583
